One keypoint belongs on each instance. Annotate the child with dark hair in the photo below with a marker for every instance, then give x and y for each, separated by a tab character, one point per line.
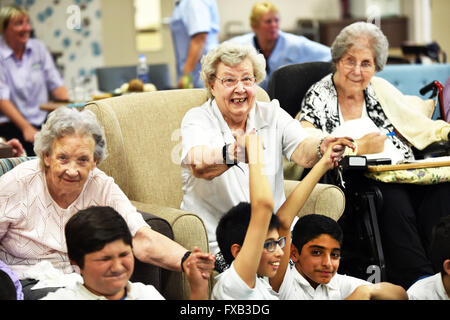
100	244
436	287
315	254
248	237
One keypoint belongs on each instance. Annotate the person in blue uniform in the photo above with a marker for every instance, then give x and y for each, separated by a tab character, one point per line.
195	27
278	47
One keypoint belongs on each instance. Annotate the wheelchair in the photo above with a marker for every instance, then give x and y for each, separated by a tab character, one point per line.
362	252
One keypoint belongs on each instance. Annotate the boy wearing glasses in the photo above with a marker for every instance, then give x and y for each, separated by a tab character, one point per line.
248	235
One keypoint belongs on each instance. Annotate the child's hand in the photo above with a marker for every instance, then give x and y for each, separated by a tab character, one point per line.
335	148
198	269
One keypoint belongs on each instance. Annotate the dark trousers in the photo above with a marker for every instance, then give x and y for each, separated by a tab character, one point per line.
406	219
9	131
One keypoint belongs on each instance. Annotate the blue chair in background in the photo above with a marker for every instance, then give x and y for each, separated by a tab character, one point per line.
111	78
410	78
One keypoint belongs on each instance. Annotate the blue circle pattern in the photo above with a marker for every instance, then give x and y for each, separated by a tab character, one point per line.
66	41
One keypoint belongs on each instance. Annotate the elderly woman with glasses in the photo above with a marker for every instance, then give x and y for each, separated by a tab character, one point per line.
39	196
214	168
352	102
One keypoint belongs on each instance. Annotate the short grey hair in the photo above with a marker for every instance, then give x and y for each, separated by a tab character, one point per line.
231	54
351	34
66	121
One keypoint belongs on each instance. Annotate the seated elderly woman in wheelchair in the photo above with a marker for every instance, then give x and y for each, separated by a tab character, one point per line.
352	102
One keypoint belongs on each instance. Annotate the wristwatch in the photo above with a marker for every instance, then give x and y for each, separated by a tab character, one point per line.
186	255
226	158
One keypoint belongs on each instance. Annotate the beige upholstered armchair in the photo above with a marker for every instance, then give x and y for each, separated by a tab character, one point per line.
144	145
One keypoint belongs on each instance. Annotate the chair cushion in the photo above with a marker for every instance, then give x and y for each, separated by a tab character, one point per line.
7	164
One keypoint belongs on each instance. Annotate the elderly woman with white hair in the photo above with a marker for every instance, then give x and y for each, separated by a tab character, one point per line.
39	196
214	168
353	102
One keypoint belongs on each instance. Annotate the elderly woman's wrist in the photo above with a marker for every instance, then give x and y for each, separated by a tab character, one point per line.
319	148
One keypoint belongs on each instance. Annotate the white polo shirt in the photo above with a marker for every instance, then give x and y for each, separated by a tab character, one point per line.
205	126
230	286
135	291
296	287
429	288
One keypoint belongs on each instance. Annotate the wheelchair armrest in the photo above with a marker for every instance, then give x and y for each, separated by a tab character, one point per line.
436	149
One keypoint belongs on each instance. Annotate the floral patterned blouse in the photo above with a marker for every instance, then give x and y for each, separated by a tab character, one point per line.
320	107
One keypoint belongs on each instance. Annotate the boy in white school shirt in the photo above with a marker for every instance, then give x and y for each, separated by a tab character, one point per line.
436	287
315	253
100	244
248	237
248	234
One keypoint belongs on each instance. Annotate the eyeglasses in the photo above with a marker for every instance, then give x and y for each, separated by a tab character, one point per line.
350	64
271	245
233	82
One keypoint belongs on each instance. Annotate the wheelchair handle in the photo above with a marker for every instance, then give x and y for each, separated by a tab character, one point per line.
428	87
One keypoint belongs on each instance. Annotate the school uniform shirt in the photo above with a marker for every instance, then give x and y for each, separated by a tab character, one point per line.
429	288
230	286
32	223
190	17
27	82
296	287
205	126
289	49
135	291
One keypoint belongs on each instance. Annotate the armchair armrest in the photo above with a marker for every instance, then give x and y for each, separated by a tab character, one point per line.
148	273
325	199
189	231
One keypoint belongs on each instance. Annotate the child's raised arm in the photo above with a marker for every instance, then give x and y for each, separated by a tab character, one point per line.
292	206
261	201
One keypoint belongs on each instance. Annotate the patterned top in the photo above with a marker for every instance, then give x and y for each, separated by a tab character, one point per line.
320	107
32	223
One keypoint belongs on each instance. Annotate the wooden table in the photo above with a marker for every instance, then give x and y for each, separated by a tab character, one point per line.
52	105
406	166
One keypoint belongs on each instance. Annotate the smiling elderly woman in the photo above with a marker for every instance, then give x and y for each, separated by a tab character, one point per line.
353	102
214	172
39	196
